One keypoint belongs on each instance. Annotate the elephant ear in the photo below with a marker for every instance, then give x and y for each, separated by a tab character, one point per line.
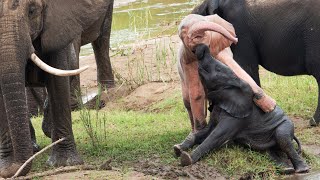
64	20
235	100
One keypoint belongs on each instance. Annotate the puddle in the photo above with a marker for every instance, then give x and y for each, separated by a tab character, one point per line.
314	175
144	19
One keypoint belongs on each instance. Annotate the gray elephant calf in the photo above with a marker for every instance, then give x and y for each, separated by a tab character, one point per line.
237	118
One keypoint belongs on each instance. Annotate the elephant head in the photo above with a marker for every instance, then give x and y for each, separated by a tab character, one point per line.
210	30
27	28
208	7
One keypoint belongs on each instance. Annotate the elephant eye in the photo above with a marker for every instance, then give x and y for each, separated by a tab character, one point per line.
33	10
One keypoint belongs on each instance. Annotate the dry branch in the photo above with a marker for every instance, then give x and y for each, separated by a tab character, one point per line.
58	171
36	154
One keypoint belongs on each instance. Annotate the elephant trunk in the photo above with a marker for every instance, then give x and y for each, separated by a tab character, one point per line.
13	56
200	27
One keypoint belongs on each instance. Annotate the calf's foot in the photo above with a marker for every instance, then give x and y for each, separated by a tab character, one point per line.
281	160
177	150
302	168
185	145
286	169
186	159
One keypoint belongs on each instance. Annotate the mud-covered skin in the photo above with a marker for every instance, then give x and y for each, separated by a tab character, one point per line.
237	117
292	48
49	30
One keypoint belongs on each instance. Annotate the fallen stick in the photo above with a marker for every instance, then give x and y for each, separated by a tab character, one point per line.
60	170
36	154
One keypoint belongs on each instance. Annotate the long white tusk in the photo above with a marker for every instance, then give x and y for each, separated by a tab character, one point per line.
55	71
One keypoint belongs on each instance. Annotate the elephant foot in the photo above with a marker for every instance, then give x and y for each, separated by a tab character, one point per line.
62	157
177	150
10	170
108	84
188	143
186	159
282	161
286	169
302	168
313	122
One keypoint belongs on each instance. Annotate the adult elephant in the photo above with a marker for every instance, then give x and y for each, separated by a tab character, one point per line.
46	28
282	36
98	34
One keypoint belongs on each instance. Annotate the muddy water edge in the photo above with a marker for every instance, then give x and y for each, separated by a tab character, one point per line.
134	20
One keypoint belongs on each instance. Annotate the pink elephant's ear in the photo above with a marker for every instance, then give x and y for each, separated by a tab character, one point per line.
217	19
202	26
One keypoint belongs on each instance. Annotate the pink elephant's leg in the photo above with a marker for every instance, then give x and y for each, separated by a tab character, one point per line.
193	98
186	102
196	96
189	140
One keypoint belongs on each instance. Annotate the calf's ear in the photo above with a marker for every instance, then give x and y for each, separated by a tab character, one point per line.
235	100
64	20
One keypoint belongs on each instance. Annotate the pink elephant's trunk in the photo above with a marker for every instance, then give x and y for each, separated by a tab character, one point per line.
201	27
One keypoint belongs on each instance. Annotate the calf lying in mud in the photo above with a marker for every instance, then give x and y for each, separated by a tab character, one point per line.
235	117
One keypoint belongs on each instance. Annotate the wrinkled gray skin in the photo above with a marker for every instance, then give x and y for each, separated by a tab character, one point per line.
282	36
48	29
236	117
99	37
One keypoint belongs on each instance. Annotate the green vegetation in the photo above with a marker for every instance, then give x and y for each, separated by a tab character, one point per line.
134	135
297	95
129	136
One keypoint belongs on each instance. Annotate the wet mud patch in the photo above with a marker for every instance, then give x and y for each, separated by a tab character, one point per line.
199	170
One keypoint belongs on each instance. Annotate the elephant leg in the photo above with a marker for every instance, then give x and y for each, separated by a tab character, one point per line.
64	153
283	135
194	138
35	146
75	90
226	129
196	95
6	150
312	65
193	99
314	121
101	48
47	125
35	100
188	142
281	160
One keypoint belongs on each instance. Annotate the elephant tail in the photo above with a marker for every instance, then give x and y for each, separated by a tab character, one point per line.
299	144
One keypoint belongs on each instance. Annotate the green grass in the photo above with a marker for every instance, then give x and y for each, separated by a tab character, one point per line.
136	135
297	95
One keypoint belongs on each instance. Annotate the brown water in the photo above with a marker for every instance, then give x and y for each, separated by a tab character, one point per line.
143	19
